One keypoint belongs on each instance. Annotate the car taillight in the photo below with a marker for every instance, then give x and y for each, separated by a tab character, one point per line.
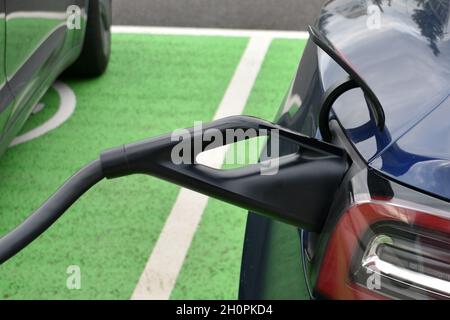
388	250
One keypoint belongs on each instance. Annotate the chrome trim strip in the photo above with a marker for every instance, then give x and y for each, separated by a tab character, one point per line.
372	262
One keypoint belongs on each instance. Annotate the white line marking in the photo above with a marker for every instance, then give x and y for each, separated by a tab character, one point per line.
66	108
210	32
162	269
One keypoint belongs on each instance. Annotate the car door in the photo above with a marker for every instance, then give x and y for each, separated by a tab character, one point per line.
36	33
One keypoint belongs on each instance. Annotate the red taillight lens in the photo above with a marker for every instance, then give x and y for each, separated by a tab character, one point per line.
383	250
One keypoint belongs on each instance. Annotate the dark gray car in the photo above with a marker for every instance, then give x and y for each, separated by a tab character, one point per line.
39	40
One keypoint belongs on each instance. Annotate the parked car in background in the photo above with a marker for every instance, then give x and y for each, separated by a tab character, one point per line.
386	234
39	40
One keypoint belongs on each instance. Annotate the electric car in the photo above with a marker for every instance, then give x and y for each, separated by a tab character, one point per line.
352	201
386	232
39	40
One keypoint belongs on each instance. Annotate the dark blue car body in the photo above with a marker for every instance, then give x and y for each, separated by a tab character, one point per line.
402	49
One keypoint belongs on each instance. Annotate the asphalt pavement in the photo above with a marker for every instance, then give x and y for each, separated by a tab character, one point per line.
235	14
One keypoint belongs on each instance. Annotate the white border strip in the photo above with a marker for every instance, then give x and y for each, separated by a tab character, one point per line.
210	32
164	265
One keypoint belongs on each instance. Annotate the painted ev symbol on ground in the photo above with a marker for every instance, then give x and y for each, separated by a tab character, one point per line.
66	108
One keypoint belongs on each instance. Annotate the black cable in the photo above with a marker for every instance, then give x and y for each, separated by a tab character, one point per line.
50	211
243	187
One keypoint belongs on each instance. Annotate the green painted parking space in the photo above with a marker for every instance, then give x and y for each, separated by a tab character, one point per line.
154	84
212	268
